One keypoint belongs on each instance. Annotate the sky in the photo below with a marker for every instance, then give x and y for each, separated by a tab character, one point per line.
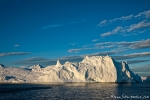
43	31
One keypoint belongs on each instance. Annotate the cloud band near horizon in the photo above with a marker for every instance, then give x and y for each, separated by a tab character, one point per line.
13	53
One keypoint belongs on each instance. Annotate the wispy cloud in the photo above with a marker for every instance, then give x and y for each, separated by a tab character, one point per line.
16	45
59	25
144	14
73	44
107	22
141	44
122	18
46	62
13	53
51	26
77	50
72	58
130	56
132	28
140	25
128	45
102	23
124	45
142	70
35	60
89	48
134	55
95	40
117	30
136	61
104	53
103	47
79	58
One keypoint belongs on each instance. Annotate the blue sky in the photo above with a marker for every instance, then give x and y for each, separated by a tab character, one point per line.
42	31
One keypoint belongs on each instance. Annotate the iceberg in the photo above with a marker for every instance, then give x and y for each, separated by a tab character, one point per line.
146	79
90	69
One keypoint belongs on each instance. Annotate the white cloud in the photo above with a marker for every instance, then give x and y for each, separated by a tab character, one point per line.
104	53
106	34
138	28
144	14
90	47
143	54
136	61
118	29
73	44
130	45
141	70
16	45
35	60
74	50
122	18
77	50
130	56
95	40
13	53
102	23
103	47
122	45
140	25
93	47
141	44
147	14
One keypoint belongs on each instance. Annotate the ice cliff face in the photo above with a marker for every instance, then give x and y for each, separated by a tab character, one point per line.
95	69
99	69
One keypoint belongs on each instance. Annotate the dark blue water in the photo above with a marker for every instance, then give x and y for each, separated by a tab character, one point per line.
75	91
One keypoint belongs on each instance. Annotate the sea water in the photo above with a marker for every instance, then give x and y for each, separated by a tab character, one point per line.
75	91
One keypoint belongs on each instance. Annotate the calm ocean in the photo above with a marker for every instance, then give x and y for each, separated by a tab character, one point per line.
75	91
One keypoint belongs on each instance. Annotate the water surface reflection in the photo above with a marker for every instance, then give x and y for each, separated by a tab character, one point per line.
73	91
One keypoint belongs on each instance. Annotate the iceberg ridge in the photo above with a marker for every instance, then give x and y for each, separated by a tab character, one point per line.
90	69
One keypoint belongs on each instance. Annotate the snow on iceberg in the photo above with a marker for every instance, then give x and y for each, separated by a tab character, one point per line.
90	69
146	79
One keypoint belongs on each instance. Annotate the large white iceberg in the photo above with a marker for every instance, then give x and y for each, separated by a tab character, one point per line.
90	69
